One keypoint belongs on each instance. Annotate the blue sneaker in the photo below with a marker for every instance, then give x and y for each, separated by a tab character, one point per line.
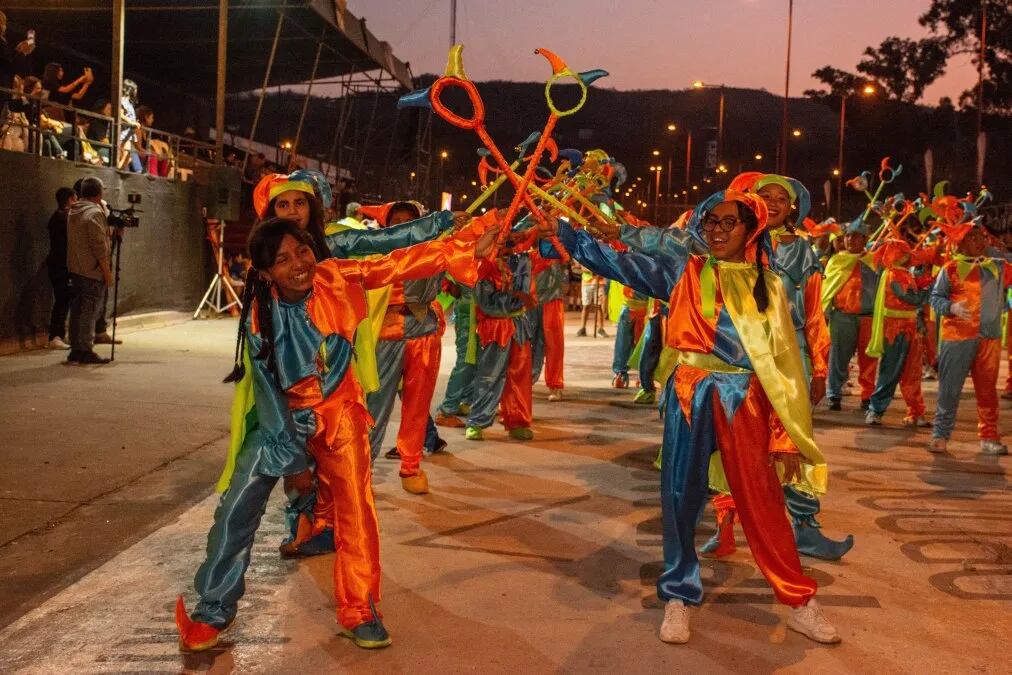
369	635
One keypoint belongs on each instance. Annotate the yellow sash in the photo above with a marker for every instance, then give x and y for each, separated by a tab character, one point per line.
773	351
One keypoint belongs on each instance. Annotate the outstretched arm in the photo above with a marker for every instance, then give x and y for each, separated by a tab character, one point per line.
349	243
653	240
654	275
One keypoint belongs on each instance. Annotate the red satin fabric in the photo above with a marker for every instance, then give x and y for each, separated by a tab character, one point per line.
910	378
418	384
345	499
867	366
516	404
553	324
816	330
758	494
638	319
984	373
1008	347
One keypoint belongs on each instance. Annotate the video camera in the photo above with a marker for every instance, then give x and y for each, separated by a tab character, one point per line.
120	218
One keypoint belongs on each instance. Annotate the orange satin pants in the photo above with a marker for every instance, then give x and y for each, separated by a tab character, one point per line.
910	378
744	443
340	447
553	324
515	405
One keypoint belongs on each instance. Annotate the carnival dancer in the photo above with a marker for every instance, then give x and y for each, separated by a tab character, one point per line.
895	340
303	196
799	270
848	298
504	298
407	355
299	322
800	274
549	321
739	376
968	295
628	328
460	385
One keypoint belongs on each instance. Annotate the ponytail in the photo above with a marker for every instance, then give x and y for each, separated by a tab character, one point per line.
759	292
238	367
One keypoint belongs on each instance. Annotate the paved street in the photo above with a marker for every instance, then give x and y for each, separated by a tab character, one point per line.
525	558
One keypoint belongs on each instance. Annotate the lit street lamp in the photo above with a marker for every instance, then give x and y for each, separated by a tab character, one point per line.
867	90
699	84
657	192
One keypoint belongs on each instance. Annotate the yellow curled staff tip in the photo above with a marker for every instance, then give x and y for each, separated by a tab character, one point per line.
455	63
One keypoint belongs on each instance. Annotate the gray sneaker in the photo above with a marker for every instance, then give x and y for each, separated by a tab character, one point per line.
873	419
992	447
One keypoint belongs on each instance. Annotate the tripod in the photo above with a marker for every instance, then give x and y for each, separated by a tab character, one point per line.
117	246
220	288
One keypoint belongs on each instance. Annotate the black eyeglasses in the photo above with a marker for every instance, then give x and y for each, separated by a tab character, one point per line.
726	224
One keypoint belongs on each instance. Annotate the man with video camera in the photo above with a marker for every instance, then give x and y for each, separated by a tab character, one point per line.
88	247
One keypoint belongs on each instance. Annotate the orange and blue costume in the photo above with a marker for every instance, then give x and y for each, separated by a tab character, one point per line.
504	330
848	299
895	340
309	403
970	346
739	378
549	317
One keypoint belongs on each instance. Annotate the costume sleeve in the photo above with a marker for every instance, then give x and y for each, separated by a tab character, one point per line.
940	294
496	303
909	296
414	262
816	331
653	240
283	455
349	243
652	275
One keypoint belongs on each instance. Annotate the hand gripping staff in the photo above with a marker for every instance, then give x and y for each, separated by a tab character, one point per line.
455	77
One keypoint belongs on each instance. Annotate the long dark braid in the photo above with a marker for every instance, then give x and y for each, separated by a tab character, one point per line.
263	244
759	292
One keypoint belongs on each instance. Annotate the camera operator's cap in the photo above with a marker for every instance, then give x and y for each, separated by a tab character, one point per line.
271	185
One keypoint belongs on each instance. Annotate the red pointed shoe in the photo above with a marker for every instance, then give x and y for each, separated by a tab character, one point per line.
194	636
721	544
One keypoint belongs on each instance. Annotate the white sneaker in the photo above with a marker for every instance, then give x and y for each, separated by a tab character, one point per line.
554	394
872	418
992	447
675	628
57	343
938	445
812	623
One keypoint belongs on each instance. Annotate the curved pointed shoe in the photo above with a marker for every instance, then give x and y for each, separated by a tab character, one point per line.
301	533
644	397
194	636
721	544
453	421
521	434
473	434
417	484
812	542
659	460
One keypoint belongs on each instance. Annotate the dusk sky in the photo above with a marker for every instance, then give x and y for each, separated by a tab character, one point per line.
653	44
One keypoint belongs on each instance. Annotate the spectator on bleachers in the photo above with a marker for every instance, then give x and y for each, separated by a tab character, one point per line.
13	61
98	131
128	155
64	94
49	129
14	125
83	149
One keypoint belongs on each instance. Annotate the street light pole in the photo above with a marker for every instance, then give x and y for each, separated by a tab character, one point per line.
782	163
720	127
839	156
657	196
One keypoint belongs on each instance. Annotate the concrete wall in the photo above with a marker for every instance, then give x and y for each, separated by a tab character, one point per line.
166	262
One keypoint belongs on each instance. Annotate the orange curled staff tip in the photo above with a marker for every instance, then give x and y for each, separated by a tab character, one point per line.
558	65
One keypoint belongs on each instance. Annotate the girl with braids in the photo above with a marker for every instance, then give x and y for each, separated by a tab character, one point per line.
738	379
299	321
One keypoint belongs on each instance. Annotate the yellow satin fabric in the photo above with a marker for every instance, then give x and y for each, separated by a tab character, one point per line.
773	350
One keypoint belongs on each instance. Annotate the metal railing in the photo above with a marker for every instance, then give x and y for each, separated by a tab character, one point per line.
26	127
